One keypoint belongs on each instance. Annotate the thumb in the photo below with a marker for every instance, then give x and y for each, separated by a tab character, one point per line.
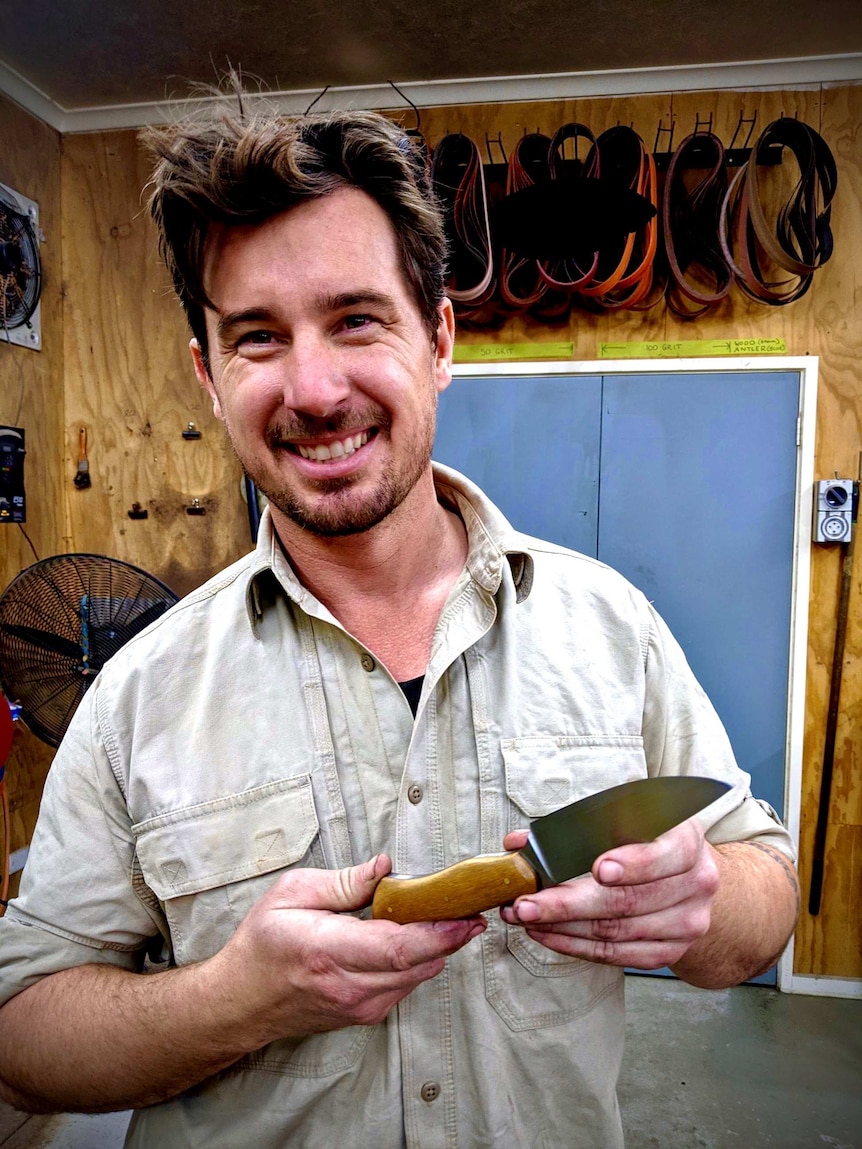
516	839
335	890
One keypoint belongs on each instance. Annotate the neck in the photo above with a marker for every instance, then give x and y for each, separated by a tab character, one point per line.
387	585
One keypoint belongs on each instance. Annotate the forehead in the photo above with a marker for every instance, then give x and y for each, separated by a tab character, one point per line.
323	243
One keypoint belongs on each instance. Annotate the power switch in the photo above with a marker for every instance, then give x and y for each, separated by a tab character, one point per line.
13	508
834	510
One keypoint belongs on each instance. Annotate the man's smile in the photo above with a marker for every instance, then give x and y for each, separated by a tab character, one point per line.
334	449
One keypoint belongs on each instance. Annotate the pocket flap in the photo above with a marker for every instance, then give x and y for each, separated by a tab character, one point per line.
228	839
545	772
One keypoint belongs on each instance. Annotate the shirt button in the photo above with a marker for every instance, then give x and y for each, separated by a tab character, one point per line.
430	1091
367	662
415	794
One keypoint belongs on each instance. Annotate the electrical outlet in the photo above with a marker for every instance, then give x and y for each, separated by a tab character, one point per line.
834	506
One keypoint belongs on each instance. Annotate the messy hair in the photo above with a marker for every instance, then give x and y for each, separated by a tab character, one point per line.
237	167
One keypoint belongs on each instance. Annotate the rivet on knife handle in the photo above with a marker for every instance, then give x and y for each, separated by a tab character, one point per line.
460	891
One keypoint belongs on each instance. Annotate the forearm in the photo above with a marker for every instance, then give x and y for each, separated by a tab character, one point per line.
96	1038
753	915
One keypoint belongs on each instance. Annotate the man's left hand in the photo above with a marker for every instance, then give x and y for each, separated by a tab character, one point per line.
641	906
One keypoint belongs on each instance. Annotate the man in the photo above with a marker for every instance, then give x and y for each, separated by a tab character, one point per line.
241	776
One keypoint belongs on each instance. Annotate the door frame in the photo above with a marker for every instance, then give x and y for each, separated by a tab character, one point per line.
808	367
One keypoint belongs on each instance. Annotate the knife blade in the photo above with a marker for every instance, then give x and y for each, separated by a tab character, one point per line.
561	845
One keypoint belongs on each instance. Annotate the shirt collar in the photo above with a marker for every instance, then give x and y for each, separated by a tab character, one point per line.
492	543
491	538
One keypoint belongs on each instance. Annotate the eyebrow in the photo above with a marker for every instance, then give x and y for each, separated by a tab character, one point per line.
232	319
363	297
337	301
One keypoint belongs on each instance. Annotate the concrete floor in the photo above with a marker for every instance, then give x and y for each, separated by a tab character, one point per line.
745	1068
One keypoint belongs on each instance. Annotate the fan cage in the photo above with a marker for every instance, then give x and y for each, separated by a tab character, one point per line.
20	270
60	621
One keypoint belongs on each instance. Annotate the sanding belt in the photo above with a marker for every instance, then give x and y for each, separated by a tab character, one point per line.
712	232
800	240
458	180
699	275
619	273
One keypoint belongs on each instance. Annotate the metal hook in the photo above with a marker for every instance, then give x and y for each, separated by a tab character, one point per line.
700	125
743	120
660	131
407	100
498	140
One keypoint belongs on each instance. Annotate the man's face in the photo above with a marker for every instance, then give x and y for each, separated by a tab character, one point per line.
322	369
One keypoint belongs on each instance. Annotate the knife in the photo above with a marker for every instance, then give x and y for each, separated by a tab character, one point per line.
561	845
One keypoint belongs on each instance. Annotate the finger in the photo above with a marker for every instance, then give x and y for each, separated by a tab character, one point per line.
676	852
410	946
637	955
516	840
585	900
689	919
335	890
379	946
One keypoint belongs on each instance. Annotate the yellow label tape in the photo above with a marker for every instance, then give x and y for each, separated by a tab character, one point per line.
511	352
682	349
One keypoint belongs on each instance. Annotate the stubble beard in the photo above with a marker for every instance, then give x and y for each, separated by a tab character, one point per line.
331	512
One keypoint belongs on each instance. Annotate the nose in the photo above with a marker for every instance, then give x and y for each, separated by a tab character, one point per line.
315	380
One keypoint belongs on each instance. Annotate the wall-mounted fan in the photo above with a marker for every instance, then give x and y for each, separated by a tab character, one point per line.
60	621
20	270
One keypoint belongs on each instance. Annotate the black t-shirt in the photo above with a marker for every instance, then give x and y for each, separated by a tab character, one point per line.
412	689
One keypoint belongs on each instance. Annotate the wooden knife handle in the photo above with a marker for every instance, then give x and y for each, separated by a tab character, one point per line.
460	891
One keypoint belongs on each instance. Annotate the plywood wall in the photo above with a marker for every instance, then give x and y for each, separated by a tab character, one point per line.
31	396
127	379
129	382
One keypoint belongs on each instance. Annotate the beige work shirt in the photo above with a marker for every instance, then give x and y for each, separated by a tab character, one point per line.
246	732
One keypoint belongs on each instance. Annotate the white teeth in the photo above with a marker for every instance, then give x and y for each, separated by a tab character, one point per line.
335	450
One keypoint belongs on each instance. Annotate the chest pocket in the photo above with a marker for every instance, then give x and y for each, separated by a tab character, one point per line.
208	864
529	985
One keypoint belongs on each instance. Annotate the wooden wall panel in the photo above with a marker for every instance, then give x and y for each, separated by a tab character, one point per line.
831	943
31	396
129	381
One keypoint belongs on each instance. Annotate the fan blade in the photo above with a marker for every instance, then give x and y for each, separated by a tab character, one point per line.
146	616
45	640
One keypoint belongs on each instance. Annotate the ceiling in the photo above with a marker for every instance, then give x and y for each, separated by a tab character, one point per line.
71	58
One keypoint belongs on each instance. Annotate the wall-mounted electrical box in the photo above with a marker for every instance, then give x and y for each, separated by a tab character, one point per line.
13	508
834	510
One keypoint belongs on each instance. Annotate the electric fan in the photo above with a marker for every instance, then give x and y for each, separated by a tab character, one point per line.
20	266
60	621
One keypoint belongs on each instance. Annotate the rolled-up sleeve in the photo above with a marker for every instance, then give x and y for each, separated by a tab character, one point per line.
78	902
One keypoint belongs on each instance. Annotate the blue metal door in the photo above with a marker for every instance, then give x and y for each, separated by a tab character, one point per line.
532	445
698	478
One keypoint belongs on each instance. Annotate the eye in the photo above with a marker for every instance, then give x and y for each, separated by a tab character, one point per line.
256	338
357	322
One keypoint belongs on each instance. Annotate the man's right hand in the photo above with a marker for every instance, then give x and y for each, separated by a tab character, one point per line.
96	1037
300	963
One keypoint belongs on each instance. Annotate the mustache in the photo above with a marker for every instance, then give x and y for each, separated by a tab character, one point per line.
298	426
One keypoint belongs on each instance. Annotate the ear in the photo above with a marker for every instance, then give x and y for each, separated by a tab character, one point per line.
204	377
445	346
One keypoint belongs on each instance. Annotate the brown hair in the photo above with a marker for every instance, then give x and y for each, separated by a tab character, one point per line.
237	168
